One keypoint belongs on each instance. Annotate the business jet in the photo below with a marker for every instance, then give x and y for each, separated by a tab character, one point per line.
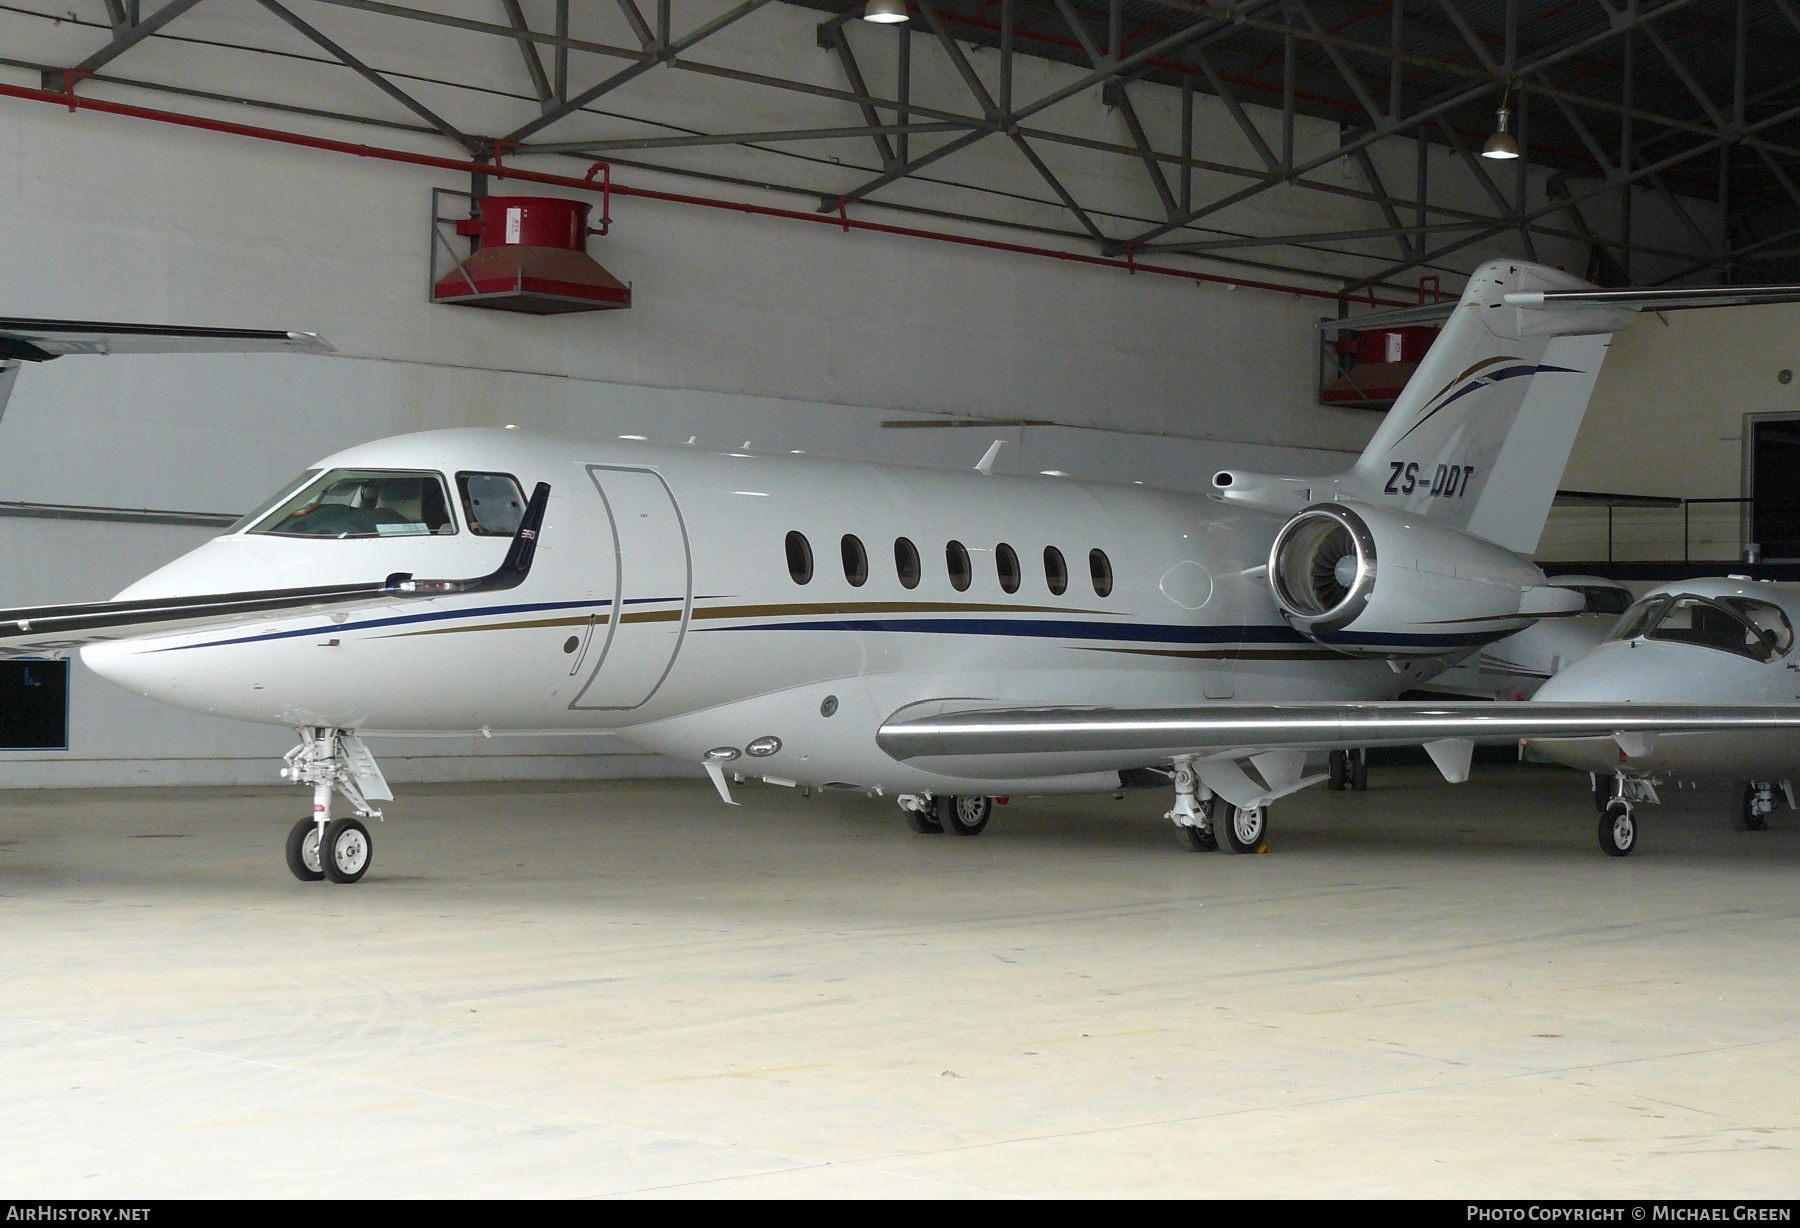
939	637
1515	667
1713	641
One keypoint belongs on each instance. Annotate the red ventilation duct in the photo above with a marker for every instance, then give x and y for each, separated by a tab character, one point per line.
530	256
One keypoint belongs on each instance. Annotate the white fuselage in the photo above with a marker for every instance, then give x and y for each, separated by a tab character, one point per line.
661	607
1665	670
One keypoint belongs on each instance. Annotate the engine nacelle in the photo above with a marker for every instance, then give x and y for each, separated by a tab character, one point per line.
1372	582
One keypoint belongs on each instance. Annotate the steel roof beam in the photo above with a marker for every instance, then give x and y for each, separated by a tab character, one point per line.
540	81
832	37
128	36
372	77
646	61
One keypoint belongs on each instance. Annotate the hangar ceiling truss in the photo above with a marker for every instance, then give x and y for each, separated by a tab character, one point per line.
1692	105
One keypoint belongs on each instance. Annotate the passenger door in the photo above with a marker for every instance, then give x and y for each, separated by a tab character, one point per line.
652	592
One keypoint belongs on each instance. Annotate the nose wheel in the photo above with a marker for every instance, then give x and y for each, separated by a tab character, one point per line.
1618	829
334	762
303	852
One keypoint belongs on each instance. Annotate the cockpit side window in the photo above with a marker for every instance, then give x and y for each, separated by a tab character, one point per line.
1605	600
1767	618
365	503
492	503
1640	618
1695	620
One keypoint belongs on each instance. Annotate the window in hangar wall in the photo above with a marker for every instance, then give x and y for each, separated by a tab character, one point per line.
34	705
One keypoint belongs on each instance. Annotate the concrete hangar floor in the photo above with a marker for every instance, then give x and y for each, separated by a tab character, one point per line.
624	988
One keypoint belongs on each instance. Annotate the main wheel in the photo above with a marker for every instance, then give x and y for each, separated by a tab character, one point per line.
1200	839
1603	791
923	823
1618	830
1239	829
1338	769
1359	771
966	816
347	850
1748	818
303	851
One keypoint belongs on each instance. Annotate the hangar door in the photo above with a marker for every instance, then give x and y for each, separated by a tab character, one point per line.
652	590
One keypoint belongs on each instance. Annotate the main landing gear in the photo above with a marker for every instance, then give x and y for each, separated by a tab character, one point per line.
334	761
1755	807
1212	824
1348	771
932	815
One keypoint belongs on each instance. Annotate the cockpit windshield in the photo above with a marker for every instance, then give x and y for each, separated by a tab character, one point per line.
1640	618
1739	625
365	503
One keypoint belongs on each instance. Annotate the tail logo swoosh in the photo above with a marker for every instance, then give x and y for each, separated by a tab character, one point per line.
1476	378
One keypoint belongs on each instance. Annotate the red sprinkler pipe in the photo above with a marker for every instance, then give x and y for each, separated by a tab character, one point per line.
840	219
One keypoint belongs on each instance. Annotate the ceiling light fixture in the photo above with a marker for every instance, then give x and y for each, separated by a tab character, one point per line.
1501	145
886	12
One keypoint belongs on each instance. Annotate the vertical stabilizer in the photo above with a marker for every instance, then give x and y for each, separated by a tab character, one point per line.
1480	435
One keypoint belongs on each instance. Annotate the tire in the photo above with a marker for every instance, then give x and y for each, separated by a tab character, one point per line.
1603	791
347	850
1338	771
966	816
1237	830
1618	830
1746	818
303	851
1200	840
923	824
1359	771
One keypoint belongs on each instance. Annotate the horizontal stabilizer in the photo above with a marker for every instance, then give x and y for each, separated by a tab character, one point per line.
1663	299
31	340
42	630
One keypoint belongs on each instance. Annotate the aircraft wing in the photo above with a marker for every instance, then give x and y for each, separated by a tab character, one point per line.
30	340
1040	741
39	630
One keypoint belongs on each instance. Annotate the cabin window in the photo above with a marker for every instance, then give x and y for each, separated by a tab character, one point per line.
1100	568
1695	620
799	557
956	557
856	561
492	503
1056	571
1006	561
906	563
365	503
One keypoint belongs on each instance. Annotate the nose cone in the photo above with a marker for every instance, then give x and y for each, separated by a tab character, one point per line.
1646	672
154	675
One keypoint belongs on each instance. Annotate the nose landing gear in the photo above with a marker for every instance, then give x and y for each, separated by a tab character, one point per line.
334	761
1618	829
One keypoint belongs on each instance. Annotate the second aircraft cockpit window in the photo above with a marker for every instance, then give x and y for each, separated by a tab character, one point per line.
365	503
1739	625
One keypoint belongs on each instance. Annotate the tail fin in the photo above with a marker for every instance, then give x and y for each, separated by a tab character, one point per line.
1480	435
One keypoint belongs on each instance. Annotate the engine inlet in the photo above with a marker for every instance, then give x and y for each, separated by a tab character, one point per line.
1322	568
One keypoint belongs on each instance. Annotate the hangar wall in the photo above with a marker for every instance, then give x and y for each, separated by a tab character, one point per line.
787	336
